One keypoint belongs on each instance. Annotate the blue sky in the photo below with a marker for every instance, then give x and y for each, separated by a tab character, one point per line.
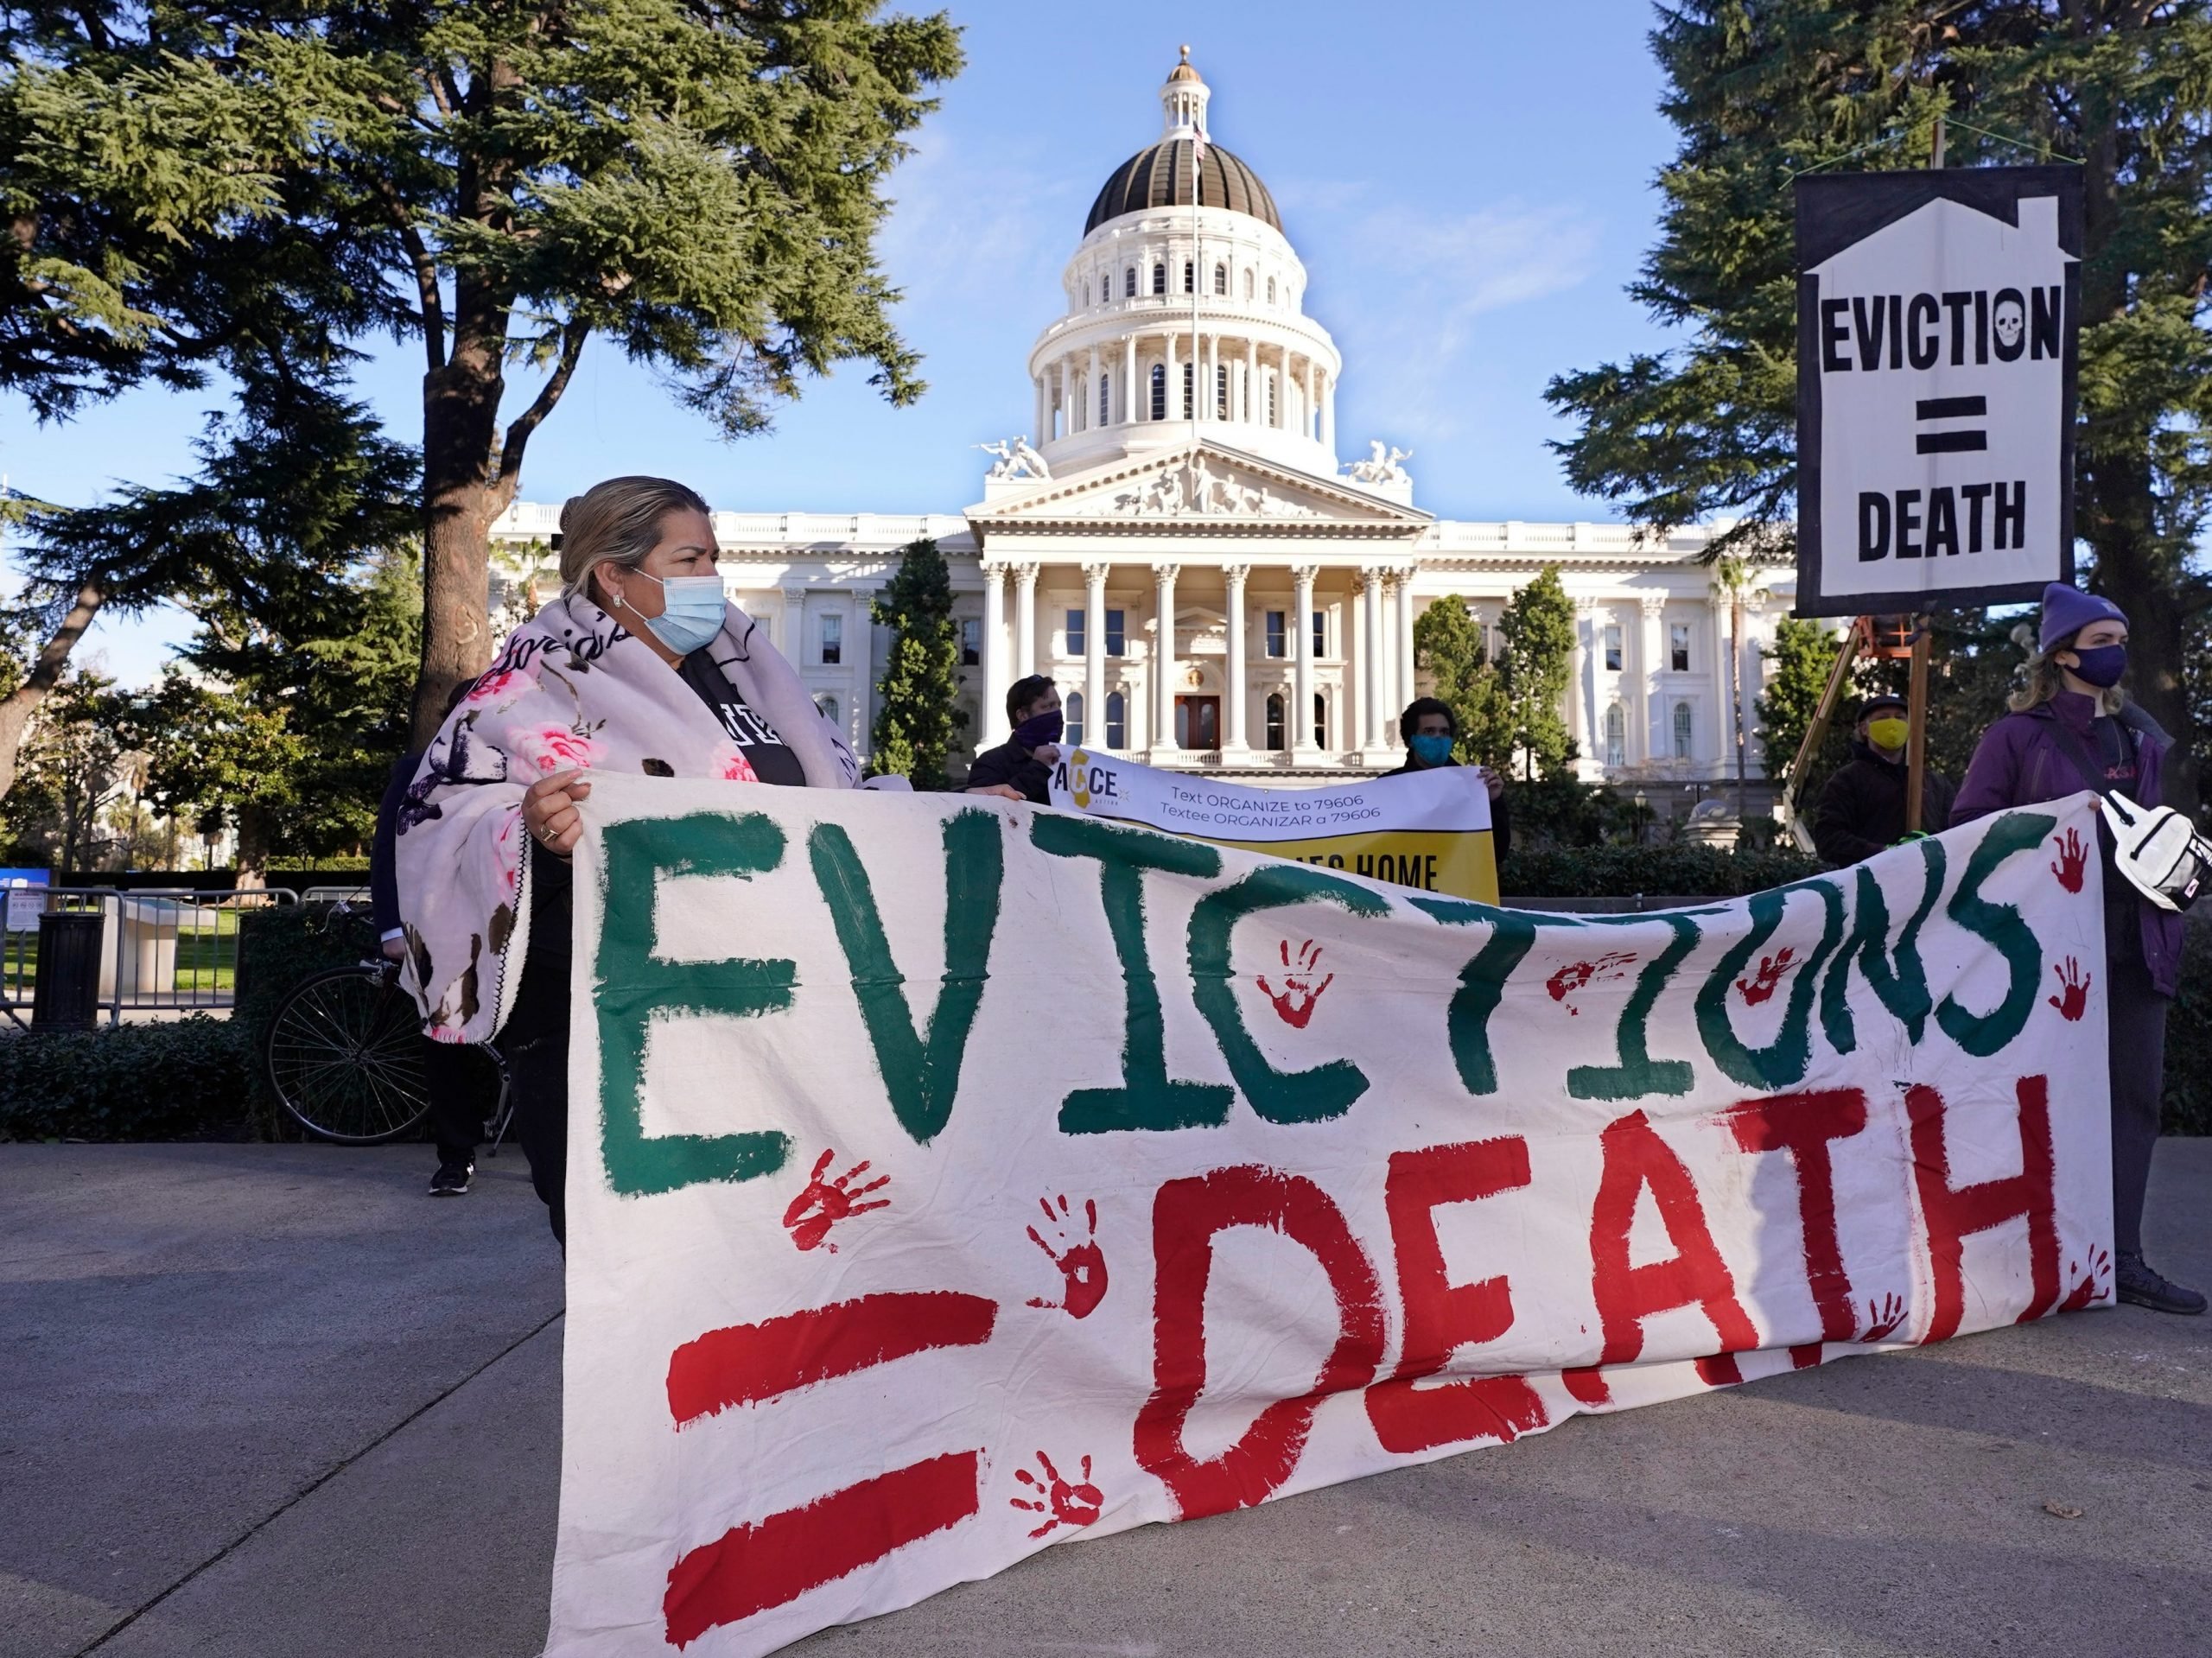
1468	183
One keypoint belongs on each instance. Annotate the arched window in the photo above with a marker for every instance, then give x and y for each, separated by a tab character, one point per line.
1682	731
1321	721
1615	735
1248	282
1274	723
1160	279
1271	290
1274	381
1129	283
1158	391
1105	400
1190	277
1190	391
1221	280
1075	717
829	707
1086	290
1221	391
1118	723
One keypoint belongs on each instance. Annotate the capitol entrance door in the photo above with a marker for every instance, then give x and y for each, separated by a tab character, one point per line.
1198	723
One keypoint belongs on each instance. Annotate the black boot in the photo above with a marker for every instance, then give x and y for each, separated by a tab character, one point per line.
2142	1285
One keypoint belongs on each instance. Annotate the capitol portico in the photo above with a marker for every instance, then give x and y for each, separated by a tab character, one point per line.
1179	547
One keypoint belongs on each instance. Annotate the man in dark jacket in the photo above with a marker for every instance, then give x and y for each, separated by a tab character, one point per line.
1021	767
1431	731
1862	808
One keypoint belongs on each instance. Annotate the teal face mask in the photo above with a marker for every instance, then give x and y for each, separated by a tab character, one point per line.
1432	750
694	611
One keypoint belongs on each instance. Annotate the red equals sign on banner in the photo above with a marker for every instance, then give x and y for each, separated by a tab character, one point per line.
1954	441
754	1567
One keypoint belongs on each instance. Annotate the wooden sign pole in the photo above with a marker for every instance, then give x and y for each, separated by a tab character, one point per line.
1916	759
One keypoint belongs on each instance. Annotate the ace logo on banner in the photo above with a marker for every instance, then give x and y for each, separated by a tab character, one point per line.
1937	319
950	1179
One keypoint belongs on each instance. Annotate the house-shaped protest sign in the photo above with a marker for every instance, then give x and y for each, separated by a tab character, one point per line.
1937	319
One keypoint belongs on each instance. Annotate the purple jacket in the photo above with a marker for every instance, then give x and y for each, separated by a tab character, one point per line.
2020	763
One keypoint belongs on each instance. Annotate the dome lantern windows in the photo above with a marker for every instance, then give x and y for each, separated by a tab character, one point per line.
1190	277
1221	281
1160	279
1271	290
1129	283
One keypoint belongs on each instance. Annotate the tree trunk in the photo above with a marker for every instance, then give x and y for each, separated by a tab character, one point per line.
15	710
253	849
461	493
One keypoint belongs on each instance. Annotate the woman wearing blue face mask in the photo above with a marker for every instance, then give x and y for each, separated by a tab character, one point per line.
2072	728
641	665
1432	733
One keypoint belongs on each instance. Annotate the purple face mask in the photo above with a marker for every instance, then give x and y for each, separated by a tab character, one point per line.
2102	664
1038	729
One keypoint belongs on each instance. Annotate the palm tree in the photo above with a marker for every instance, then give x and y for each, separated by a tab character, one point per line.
1736	577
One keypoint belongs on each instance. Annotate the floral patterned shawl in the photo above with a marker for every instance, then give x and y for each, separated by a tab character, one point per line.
571	688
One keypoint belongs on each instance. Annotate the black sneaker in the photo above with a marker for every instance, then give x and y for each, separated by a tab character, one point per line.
2142	1285
452	1179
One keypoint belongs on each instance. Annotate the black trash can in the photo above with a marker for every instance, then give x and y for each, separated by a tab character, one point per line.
68	993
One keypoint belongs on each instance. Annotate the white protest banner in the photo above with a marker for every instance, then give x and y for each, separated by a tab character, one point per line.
1428	828
1936	321
951	1178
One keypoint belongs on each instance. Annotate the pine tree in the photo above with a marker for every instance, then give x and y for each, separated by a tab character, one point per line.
697	182
1539	629
1803	656
1761	90
1448	648
917	721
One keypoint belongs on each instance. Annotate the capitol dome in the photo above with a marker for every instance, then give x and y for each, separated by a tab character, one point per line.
1161	177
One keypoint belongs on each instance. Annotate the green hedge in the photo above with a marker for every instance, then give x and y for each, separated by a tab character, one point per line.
1650	871
185	1080
277	947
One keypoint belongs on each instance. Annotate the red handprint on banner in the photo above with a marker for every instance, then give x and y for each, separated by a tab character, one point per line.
824	1203
2089	1282
2073	998
1883	1321
1295	1002
1762	984
1082	1263
2073	859
1074	1503
1573	977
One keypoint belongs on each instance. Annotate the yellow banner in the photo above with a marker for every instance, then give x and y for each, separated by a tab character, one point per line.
1459	863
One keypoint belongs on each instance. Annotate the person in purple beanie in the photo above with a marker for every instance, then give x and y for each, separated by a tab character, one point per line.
2071	728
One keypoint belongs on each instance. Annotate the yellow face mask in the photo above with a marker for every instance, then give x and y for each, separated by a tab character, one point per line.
1888	733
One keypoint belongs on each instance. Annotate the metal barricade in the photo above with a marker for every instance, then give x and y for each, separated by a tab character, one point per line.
166	949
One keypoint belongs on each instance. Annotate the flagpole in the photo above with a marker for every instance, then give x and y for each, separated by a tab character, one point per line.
1198	161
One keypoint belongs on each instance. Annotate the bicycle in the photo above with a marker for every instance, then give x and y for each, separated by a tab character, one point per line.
343	1053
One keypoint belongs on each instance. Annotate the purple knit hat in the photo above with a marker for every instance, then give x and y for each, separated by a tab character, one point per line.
2067	610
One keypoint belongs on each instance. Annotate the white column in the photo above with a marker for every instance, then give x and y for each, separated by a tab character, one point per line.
1724	718
1306	427
1129	381
1405	693
1301	720
1024	621
1252	410
1091	396
796	644
1163	655
1372	678
1652	648
1234	737
1044	414
1329	414
995	674
860	710
1577	698
1168	349
1094	655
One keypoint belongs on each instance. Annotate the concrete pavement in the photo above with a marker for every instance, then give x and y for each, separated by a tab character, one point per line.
262	1400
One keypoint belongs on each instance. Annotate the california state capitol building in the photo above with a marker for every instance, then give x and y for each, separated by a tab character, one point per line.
1178	541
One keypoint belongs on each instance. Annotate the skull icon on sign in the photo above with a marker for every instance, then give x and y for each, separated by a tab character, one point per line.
2010	322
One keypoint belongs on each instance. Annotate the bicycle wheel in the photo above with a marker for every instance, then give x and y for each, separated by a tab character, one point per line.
343	1053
